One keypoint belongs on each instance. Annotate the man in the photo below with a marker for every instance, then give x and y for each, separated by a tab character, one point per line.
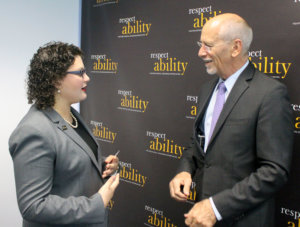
243	134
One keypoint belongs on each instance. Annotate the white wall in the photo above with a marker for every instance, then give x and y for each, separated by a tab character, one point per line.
24	26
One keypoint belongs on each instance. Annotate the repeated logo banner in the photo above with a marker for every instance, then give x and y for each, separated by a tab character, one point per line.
200	16
101	63
293	214
132	27
132	102
165	64
269	65
193	194
296	23
296	109
131	175
102	132
142	59
160	144
99	3
156	217
191	103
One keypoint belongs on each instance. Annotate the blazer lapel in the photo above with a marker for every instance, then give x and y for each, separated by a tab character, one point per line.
78	116
238	89
203	104
72	134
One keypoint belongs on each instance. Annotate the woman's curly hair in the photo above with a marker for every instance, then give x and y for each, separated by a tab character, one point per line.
47	68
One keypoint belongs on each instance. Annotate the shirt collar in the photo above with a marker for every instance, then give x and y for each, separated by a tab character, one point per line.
230	81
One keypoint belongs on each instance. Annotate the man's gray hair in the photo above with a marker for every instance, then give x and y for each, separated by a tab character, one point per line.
237	29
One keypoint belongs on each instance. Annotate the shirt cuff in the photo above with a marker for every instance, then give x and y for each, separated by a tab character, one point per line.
218	215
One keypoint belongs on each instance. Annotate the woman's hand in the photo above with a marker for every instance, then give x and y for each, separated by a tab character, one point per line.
108	189
111	165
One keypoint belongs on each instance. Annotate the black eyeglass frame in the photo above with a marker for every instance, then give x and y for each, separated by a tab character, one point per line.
79	73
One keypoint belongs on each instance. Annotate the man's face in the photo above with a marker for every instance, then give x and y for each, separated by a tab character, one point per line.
215	52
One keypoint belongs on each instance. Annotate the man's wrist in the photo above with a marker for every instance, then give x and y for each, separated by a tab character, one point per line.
217	214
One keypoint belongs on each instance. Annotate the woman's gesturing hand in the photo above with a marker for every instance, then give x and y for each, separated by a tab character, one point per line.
108	189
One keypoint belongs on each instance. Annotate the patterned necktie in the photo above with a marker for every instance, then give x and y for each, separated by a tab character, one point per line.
220	100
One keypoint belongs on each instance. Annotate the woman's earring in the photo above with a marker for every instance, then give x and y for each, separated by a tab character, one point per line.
58	91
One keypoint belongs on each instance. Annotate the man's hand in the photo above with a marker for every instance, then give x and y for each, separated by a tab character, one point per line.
108	189
201	215
111	165
184	180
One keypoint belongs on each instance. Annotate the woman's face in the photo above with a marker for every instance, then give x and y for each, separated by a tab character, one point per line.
73	86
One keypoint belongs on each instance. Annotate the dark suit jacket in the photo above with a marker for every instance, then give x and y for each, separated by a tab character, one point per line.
57	175
249	154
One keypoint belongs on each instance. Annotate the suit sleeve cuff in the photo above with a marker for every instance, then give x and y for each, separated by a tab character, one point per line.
217	214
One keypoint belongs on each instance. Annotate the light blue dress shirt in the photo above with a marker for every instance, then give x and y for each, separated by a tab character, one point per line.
229	83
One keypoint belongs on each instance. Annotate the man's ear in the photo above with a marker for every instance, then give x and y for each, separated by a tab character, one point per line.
237	47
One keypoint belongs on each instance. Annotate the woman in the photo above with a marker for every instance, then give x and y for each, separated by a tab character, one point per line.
57	162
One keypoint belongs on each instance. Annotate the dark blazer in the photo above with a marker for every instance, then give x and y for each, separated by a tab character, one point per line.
249	154
57	175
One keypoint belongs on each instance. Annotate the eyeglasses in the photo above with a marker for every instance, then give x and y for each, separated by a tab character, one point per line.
79	73
205	46
208	48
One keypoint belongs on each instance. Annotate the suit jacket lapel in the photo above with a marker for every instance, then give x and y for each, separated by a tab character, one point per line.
72	134
238	89
78	116
208	90
203	104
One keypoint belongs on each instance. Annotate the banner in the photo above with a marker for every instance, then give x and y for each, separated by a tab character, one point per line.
142	58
